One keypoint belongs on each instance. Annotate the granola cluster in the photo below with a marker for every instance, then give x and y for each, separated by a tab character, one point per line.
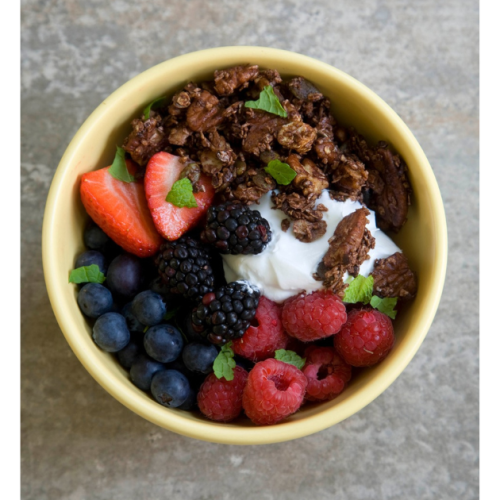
208	125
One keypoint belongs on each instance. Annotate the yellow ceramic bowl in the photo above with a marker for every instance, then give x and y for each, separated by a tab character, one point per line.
423	239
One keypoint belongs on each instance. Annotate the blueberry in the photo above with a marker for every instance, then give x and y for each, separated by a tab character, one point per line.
163	343
125	277
190	402
142	371
110	332
199	357
91	257
95	238
170	388
129	354
134	325
148	307
94	300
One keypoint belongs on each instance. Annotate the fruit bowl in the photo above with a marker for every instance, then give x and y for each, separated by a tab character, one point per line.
423	239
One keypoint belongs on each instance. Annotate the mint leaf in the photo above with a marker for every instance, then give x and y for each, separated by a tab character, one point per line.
181	195
170	314
86	274
224	363
153	105
360	289
385	305
119	168
290	357
268	101
281	172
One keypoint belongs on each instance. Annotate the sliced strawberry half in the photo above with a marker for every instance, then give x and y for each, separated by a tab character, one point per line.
172	222
121	211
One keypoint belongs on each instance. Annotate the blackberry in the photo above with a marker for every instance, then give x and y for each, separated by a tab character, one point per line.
227	313
233	228
184	266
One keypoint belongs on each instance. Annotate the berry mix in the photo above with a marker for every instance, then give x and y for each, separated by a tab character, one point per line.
182	194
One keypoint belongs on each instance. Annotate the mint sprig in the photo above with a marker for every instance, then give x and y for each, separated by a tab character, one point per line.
360	289
385	305
224	363
119	168
281	172
86	274
268	101
181	195
290	357
153	105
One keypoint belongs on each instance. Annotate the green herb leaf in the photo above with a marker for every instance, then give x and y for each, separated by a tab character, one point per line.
224	363
119	168
281	172
181	195
155	104
87	274
268	101
290	357
385	305
170	314
360	289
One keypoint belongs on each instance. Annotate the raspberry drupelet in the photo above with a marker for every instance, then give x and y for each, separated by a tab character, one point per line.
313	316
265	334
366	338
274	390
327	373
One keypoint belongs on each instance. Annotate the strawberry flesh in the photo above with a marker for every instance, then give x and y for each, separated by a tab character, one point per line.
121	211
172	222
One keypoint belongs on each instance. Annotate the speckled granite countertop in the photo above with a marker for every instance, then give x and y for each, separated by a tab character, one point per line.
418	440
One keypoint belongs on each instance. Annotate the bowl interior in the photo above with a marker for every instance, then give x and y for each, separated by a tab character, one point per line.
423	239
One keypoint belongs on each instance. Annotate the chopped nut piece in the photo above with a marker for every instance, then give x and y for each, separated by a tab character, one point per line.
392	277
262	129
179	135
303	89
307	232
285	224
228	80
147	138
298	207
349	177
310	179
350	243
204	113
390	187
298	136
267	77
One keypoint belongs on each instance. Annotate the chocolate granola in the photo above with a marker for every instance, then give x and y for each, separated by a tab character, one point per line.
392	277
208	125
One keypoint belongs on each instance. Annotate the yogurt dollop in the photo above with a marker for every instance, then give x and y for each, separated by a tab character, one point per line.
286	267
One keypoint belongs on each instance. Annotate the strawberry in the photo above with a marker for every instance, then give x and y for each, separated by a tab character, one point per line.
172	222
121	211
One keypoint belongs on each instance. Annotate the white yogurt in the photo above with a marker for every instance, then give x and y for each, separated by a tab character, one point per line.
286	267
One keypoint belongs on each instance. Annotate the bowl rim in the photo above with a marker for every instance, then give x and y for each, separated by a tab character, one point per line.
209	431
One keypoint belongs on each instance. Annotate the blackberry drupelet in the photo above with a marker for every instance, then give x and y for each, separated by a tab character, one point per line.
227	313
184	266
233	228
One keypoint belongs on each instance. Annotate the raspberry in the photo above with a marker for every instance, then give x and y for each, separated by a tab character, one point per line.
327	373
314	316
274	390
220	399
366	338
259	342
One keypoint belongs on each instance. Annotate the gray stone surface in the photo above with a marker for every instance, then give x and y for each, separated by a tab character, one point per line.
419	440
